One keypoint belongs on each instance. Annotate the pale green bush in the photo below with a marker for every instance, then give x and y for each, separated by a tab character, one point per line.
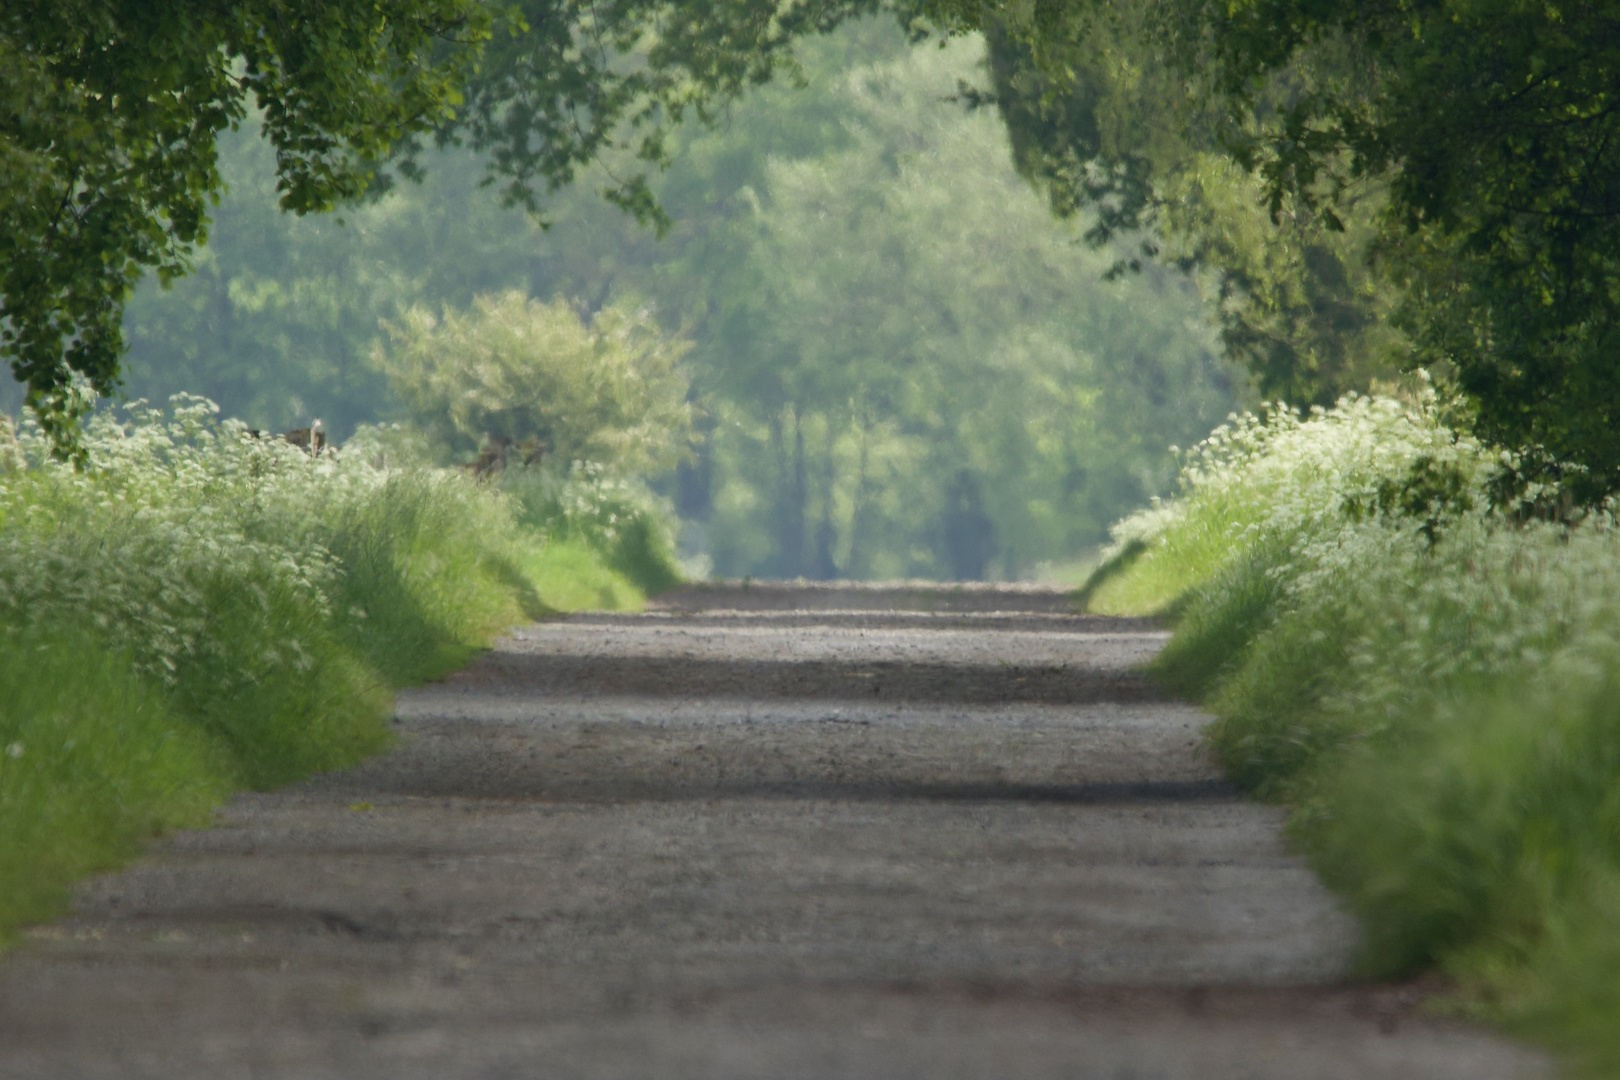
610	392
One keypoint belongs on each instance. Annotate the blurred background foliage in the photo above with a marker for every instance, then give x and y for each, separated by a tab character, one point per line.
1125	143
898	364
519	375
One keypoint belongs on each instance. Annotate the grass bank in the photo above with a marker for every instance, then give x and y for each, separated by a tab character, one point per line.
1431	685
199	611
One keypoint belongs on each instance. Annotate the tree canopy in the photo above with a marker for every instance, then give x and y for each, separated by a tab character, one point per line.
1496	126
110	111
913	370
1118	140
1365	186
1470	148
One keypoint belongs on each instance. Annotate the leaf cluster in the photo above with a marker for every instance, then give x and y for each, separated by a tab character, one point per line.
1496	128
1464	151
109	112
1103	120
564	82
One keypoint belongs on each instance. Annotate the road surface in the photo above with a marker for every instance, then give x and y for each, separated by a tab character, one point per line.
760	832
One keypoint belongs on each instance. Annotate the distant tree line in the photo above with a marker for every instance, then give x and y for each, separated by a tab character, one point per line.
894	361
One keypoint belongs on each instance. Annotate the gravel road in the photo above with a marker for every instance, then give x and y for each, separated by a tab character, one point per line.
761	832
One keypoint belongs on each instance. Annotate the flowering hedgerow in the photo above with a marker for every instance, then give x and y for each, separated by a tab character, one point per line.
193	607
1430	681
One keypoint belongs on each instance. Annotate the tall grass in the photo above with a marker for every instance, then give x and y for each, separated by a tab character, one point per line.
1431	685
92	761
199	609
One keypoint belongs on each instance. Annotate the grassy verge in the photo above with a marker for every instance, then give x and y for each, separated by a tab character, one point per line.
1431	687
200	611
615	519
572	576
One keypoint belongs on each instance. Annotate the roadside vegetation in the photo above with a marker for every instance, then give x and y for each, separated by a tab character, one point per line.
1426	676
198	609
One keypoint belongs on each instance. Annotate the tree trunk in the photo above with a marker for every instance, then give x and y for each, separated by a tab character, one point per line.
791	493
826	569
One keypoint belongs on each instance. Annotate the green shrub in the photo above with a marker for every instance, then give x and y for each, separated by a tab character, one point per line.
1465	830
429	567
1277	475
1219	619
571	576
610	392
1563	991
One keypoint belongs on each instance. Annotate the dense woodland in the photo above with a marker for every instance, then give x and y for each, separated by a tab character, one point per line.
900	365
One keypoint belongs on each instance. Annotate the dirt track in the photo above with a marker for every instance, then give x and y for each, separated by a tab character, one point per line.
773	832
